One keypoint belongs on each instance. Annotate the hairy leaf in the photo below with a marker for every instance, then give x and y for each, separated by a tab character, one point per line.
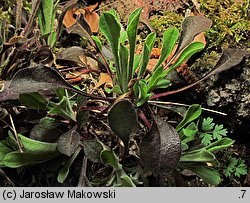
160	149
39	77
122	119
186	54
201	155
63	109
68	142
170	38
36	146
93	149
132	32
191	26
47	130
111	29
33	101
123	54
109	158
209	175
147	49
19	159
220	145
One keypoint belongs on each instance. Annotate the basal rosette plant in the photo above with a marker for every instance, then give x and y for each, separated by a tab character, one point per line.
162	149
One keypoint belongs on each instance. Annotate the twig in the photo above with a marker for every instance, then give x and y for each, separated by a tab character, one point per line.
179	104
19	6
16	135
35	7
7	178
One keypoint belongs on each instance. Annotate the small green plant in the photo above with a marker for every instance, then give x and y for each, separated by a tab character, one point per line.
46	20
69	125
234	167
129	66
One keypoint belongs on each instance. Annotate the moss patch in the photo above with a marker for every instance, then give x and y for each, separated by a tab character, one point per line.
231	24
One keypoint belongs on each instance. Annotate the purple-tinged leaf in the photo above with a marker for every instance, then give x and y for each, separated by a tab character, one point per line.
160	149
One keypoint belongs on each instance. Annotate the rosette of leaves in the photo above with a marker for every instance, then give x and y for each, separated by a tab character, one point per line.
129	65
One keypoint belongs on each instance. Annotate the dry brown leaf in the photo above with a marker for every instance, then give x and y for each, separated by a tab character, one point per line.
91	17
106	80
69	19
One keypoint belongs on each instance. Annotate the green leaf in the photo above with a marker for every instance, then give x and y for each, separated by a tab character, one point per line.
207	124
97	41
170	38
52	39
219	131
188	134
137	61
209	175
45	16
141	92
132	25
241	168
220	145
123	37
3	151
93	149
154	79
33	101
37	147
193	112
123	54
186	54
64	171
64	109
109	158
19	159
201	155
206	138
162	83
111	28
126	181
122	119
190	130
116	89
147	49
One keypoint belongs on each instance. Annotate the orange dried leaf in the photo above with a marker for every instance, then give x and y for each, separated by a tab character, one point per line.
105	79
92	19
69	19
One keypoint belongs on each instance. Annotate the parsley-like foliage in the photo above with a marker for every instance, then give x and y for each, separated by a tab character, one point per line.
211	132
235	167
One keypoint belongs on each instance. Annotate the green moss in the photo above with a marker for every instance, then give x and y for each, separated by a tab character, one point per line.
165	20
160	22
231	25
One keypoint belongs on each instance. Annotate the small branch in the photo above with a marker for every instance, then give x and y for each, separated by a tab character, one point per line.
186	105
7	178
19	6
16	135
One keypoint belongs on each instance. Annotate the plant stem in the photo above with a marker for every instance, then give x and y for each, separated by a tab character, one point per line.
16	135
179	104
19	6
